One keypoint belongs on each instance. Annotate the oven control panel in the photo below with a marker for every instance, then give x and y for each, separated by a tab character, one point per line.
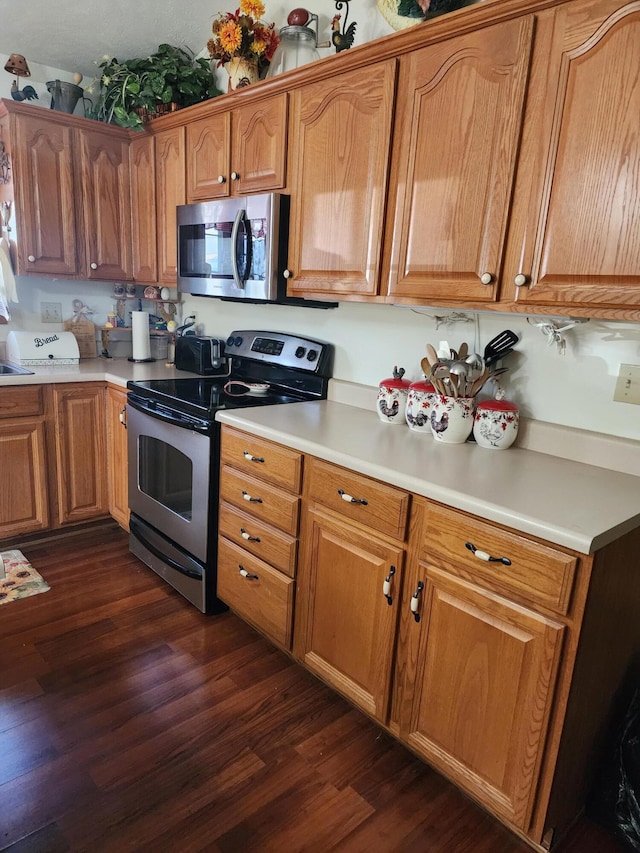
282	349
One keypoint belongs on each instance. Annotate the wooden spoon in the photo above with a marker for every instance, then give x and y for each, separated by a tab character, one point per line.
463	351
432	354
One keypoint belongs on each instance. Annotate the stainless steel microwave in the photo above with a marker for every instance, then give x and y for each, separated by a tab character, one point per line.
236	248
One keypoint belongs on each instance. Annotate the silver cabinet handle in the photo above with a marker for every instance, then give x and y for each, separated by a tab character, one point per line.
31	259
486	278
222	179
520	280
235	176
246	574
251	458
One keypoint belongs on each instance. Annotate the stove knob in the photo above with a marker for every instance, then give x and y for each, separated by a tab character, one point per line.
300	351
238	341
230	341
312	355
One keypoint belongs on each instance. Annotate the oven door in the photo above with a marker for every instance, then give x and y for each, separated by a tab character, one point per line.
169	479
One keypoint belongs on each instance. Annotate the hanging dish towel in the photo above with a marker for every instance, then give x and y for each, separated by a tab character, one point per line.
8	292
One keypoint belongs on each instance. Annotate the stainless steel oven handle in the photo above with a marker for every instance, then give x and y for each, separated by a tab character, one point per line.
167	417
162	556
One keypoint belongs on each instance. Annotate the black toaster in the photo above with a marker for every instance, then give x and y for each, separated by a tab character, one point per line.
201	355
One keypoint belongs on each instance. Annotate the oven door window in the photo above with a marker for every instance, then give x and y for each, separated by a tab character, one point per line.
166	475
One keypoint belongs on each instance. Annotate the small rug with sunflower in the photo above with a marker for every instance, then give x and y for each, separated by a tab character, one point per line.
21	578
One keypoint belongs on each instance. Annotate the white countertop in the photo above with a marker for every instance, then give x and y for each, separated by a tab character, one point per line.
568	503
115	370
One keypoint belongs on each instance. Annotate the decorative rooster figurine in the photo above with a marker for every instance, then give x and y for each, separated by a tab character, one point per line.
27	93
342	40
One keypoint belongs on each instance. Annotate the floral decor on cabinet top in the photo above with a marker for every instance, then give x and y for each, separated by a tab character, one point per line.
243	35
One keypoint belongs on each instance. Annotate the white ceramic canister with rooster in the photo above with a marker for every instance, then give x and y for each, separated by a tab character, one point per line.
452	419
420	402
496	424
392	398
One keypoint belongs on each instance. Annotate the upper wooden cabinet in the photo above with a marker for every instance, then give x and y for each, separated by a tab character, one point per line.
170	192
142	165
339	142
574	235
459	113
44	190
240	151
70	184
105	207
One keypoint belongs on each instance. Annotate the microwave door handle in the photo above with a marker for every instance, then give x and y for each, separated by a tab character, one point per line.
234	254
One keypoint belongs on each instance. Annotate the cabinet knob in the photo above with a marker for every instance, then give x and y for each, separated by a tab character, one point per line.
93	265
520	279
486	278
235	176
287	273
222	179
31	259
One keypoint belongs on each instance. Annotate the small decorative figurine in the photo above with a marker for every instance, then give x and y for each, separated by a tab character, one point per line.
342	40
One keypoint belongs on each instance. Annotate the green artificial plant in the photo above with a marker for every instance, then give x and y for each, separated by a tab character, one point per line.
135	88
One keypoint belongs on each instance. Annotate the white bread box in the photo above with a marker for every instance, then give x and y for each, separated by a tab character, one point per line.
33	349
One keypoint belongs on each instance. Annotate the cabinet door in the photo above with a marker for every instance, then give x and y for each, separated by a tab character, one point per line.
460	107
117	464
208	158
581	163
81	457
484	683
340	135
259	146
24	494
106	205
45	192
345	626
171	191
143	208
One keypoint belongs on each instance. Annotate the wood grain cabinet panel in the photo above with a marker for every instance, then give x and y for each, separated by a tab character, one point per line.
345	625
117	462
106	205
237	152
262	540
45	190
24	503
143	208
576	240
80	451
265	502
459	111
484	687
261	458
340	132
170	192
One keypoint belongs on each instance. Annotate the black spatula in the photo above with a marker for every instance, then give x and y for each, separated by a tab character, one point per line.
499	346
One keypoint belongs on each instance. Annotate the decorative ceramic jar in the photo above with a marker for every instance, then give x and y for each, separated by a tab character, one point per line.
392	398
420	401
452	419
242	72
496	424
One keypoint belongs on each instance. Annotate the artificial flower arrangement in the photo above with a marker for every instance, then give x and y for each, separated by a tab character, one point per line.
242	34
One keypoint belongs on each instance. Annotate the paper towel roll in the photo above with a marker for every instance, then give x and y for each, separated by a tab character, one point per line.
140	335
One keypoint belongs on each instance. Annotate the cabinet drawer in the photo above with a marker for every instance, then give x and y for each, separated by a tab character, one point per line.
18	402
262	459
278	549
385	508
260	499
538	574
266	600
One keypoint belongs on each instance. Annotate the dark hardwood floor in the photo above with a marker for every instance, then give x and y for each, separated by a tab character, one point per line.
129	721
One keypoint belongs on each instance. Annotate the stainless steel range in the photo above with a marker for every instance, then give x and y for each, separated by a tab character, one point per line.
173	445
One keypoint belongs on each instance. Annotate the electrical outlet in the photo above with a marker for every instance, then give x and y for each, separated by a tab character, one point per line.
627	388
51	312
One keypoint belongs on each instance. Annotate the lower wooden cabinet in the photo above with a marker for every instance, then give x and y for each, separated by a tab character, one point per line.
117	463
345	624
24	504
80	451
